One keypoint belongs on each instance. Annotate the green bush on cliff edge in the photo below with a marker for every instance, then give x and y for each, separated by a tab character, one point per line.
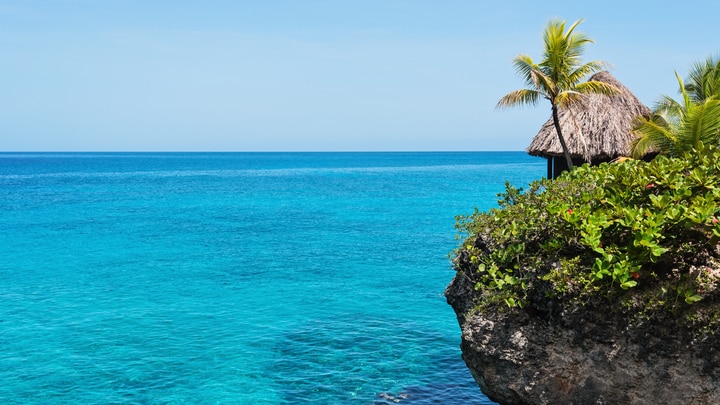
640	235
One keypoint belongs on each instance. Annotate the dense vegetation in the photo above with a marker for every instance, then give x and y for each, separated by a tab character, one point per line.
638	238
635	236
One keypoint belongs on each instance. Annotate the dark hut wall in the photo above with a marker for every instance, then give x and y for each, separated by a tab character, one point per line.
557	164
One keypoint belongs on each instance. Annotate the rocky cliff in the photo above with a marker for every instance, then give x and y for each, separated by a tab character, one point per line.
555	353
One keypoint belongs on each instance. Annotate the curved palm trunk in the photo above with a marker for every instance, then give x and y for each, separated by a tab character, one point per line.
556	121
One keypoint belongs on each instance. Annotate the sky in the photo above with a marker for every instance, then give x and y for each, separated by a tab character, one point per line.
310	75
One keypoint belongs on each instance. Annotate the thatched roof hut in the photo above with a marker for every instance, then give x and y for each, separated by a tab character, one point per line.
596	130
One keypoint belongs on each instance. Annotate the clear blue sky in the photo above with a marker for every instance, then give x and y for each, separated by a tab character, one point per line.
309	75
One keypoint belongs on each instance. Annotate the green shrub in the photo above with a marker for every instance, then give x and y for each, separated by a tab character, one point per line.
604	231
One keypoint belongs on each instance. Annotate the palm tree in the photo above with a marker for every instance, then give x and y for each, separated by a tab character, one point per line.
676	127
559	75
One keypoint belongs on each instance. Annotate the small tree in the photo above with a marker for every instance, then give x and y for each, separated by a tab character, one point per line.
678	127
559	75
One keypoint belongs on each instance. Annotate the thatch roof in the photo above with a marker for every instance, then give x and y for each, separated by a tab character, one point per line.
597	128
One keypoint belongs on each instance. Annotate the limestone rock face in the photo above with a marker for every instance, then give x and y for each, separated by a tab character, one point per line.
582	356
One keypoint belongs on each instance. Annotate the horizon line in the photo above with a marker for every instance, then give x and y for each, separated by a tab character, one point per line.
261	151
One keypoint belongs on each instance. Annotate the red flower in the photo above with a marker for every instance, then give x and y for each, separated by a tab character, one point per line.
651	185
714	220
635	275
569	210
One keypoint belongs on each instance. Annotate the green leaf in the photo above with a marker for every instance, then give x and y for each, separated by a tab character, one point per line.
658	251
510	280
628	284
693	299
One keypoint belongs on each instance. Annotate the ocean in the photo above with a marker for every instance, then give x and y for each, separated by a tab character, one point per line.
237	278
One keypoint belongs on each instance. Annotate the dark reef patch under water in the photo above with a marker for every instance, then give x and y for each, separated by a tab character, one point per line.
340	360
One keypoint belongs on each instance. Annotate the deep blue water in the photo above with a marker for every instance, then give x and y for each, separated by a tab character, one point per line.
236	278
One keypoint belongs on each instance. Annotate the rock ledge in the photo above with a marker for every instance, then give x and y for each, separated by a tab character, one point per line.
582	355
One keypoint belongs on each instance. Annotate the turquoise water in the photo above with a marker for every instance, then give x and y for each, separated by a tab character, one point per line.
236	278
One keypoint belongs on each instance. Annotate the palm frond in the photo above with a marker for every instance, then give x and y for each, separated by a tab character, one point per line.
687	102
524	67
561	59
704	79
574	25
576	42
695	82
580	72
555	63
545	85
567	98
595	87
663	120
668	104
519	98
701	125
578	92
576	46
651	136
